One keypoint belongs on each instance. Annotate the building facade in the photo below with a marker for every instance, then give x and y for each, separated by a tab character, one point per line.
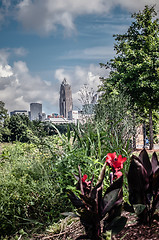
19	112
35	111
65	102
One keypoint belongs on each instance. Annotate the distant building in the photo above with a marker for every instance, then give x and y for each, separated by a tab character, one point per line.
58	120
35	111
19	112
65	102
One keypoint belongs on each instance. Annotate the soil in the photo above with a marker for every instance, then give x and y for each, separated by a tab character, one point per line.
131	231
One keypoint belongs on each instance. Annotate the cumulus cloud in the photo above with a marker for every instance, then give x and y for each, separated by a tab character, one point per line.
18	87
78	77
44	16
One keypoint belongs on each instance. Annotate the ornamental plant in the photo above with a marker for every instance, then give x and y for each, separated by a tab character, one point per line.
116	164
143	182
94	207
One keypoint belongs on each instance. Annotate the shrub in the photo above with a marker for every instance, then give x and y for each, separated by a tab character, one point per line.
143	181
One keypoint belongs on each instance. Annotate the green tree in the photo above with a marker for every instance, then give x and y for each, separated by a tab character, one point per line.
3	117
19	126
135	68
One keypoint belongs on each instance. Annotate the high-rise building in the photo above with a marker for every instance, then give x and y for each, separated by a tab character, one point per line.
65	99
35	111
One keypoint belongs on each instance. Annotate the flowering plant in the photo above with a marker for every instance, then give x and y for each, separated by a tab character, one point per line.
93	206
116	164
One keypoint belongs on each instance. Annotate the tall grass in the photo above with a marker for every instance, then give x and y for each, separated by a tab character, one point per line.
35	178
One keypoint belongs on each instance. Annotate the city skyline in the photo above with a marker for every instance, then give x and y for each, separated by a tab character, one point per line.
43	42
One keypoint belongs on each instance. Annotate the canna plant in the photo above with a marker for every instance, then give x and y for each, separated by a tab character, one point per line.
98	212
143	182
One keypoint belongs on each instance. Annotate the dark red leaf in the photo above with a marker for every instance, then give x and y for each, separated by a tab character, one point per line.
154	162
138	181
144	158
75	200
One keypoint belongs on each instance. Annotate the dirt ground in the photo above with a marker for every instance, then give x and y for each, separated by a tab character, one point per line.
131	231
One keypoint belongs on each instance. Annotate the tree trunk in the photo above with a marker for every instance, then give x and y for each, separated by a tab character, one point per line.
151	128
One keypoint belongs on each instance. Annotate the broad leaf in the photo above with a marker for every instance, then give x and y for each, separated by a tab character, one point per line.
128	208
143	156
116	225
154	162
109	200
116	185
138	182
155	182
75	200
139	208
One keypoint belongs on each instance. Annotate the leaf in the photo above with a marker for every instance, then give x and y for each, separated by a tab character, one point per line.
117	224
154	162
139	208
116	185
75	200
102	174
109	200
71	214
138	182
80	180
94	190
143	156
128	208
155	181
91	203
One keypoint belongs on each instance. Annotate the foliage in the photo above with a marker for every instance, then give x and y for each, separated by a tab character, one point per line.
117	118
143	182
18	126
92	206
28	188
135	66
3	117
35	177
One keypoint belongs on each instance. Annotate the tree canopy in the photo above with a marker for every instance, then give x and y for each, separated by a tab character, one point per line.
135	67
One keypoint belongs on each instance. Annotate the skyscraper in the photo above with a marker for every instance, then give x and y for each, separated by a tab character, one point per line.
35	111
65	99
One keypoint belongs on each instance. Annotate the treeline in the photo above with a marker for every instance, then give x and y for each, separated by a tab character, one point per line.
19	127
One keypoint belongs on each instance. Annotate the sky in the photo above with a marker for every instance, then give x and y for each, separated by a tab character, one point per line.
44	41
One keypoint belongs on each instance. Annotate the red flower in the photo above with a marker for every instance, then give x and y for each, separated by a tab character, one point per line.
118	163
84	180
117	174
110	158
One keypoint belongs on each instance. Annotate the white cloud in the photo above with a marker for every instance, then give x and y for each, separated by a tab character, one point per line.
18	87
5	71
44	16
78	77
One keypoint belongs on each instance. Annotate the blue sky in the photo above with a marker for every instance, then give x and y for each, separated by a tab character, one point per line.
44	41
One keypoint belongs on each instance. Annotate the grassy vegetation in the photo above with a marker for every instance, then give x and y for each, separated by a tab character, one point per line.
35	177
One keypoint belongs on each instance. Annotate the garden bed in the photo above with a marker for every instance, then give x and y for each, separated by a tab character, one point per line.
132	230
